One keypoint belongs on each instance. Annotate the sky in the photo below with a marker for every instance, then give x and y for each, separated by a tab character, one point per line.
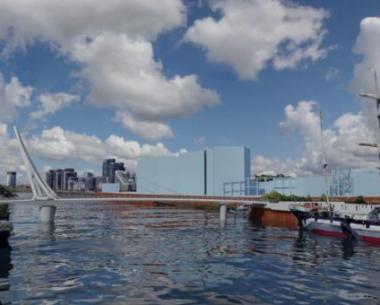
92	79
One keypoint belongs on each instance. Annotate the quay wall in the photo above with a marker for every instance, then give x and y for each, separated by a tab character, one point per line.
267	217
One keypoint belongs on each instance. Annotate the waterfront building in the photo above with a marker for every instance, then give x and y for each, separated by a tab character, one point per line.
98	183
110	166
72	184
50	178
110	187
11	179
89	181
68	173
194	173
68	180
127	181
107	165
58	180
81	184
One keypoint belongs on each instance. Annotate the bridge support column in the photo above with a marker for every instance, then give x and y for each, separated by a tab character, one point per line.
47	213
223	213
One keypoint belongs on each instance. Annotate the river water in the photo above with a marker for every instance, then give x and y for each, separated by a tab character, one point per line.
112	253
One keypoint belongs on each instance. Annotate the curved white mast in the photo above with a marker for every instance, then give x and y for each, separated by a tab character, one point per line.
41	190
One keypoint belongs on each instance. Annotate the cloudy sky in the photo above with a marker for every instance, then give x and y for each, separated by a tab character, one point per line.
89	79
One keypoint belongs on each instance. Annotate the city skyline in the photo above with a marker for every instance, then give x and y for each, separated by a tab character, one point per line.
170	86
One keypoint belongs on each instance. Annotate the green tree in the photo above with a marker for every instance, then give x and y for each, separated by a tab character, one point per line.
360	199
6	192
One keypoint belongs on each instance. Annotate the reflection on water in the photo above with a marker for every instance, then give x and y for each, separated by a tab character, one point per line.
103	253
5	267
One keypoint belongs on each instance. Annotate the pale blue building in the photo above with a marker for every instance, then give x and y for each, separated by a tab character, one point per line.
340	182
110	187
194	173
226	171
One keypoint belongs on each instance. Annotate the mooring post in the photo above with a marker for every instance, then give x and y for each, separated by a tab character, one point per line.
223	213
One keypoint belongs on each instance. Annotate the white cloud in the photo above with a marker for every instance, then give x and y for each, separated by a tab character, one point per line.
62	22
368	46
57	144
341	142
111	41
254	34
148	130
123	73
350	129
332	74
262	165
13	96
51	103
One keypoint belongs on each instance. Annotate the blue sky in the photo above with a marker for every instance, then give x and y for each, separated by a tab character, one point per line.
85	70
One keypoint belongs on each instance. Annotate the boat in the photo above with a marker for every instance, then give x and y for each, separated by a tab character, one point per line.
324	221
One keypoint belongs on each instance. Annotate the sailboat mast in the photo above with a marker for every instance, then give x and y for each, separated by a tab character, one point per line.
325	172
375	97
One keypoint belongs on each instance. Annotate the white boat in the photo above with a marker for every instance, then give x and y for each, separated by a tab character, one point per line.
323	222
364	224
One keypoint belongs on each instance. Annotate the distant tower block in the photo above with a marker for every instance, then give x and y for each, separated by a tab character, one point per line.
11	179
41	190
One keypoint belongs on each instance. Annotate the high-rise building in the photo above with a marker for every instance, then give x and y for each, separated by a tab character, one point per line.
67	174
72	184
89	181
107	169
126	180
110	166
11	179
58	181
50	178
98	183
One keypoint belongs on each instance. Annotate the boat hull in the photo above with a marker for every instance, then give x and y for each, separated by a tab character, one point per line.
325	227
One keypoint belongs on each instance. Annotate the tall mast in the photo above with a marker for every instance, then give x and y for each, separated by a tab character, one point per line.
325	172
376	98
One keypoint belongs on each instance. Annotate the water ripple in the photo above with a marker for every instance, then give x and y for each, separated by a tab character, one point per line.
110	253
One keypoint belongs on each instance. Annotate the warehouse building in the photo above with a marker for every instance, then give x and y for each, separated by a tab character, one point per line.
194	173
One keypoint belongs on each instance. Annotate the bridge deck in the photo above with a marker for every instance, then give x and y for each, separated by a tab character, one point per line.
189	199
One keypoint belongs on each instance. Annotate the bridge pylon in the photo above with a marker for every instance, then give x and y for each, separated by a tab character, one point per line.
41	190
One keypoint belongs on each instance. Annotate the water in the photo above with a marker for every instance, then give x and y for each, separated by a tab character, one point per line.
103	253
